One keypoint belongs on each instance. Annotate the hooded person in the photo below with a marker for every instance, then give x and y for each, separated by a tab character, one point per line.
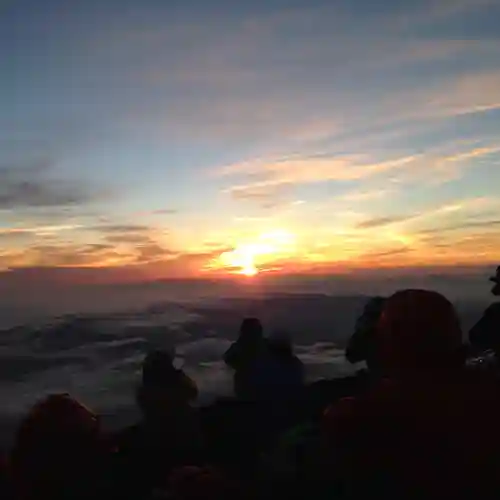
59	451
243	354
169	434
485	334
428	429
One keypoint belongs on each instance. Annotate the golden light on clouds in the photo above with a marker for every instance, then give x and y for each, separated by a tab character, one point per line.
249	257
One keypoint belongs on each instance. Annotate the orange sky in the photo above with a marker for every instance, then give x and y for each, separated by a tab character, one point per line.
233	139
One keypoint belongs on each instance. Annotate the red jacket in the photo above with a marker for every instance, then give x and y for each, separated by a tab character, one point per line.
418	440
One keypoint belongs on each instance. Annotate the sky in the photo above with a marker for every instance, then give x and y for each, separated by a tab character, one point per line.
153	139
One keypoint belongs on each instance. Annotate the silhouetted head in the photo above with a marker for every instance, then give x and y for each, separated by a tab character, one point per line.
419	333
496	280
251	328
56	446
362	344
164	389
157	368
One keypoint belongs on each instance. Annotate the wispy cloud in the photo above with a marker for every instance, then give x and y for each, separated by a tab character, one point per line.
120	228
32	186
367	195
438	167
365	114
381	221
289	171
20	233
437	11
465	93
465	208
277	173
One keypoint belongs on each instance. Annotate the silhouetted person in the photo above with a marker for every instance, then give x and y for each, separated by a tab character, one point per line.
430	428
362	344
243	355
59	452
279	372
361	347
485	334
169	433
159	373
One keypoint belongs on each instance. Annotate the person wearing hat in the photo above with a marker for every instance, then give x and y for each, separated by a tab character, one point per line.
485	334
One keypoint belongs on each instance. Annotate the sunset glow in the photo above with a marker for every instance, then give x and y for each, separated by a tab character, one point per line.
247	257
231	141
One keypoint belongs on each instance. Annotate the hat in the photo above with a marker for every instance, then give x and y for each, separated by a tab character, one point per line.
251	326
496	278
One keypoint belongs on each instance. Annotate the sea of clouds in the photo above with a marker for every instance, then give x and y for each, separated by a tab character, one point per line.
97	357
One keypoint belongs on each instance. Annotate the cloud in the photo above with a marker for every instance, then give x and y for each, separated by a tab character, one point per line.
142	241
381	221
465	208
451	96
31	186
463	225
361	196
468	155
369	256
307	170
64	255
121	228
153	252
116	250
16	234
253	76
436	11
269	177
438	167
132	238
165	211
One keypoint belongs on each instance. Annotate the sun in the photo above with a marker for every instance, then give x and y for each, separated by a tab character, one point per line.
249	271
247	258
242	259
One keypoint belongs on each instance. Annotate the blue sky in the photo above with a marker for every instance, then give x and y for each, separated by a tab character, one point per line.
161	134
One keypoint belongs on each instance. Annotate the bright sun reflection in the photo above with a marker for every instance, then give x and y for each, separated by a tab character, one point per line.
245	257
249	271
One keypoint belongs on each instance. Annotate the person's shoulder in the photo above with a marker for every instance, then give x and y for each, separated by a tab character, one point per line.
493	309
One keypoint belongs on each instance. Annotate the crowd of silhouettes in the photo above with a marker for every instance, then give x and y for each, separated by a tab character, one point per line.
416	422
